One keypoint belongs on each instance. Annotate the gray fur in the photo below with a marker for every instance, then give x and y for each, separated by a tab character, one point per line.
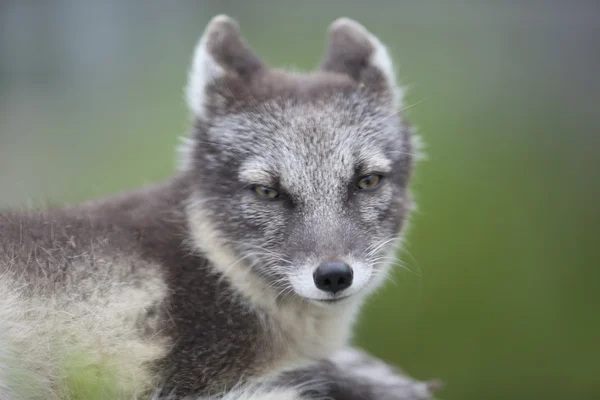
208	279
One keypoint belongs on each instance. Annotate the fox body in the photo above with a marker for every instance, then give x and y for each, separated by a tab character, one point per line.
249	266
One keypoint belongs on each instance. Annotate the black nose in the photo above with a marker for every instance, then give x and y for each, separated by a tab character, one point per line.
333	276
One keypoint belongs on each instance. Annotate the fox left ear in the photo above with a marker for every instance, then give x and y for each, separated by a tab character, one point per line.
354	51
220	54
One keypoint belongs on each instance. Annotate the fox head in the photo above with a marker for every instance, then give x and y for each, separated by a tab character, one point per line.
299	180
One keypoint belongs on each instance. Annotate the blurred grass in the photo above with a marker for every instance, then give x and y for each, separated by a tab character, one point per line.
501	300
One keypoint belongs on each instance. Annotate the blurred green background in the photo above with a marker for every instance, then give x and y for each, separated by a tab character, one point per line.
502	297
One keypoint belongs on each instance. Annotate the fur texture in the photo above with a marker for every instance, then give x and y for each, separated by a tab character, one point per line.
199	285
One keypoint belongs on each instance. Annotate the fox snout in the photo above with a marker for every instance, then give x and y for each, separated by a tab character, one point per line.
333	276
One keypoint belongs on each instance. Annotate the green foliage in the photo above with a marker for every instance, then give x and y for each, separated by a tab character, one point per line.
90	379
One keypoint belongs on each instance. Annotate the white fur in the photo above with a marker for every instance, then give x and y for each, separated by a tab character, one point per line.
204	70
419	146
257	391
185	153
375	160
41	335
252	394
283	394
255	170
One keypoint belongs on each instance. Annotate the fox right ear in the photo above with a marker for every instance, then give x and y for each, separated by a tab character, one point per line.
354	51
221	52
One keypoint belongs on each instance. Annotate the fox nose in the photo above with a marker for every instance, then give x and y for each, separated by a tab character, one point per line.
333	276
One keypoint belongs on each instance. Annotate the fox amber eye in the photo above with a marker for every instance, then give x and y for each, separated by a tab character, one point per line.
265	192
369	182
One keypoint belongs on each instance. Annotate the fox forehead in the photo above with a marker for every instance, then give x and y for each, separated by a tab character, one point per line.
342	163
278	141
308	122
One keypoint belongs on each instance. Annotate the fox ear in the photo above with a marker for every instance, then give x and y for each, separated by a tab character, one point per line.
354	51
221	52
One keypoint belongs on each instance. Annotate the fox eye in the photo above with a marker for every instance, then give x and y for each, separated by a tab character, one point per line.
265	192
369	182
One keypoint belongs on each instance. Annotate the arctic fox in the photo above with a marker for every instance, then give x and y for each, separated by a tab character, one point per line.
243	274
